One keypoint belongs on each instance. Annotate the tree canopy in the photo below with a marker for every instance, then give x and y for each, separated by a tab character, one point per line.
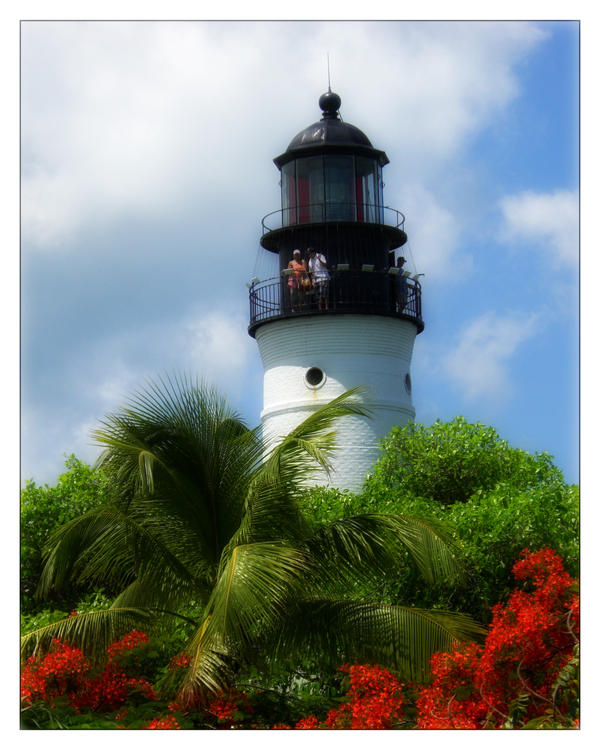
449	461
44	508
495	499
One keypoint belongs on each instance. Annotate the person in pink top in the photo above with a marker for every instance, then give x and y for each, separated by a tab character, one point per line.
295	281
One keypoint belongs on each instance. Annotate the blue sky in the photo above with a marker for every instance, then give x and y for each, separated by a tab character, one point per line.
146	153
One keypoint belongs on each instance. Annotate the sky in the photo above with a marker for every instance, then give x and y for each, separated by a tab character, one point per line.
146	167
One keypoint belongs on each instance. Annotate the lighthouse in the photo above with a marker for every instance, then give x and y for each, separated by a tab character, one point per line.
341	310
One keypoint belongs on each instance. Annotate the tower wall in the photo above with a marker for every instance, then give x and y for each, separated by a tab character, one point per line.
350	350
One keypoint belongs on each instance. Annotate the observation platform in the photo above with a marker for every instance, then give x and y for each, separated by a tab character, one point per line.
351	291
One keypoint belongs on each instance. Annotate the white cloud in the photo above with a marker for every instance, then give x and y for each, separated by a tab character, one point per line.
221	350
434	232
479	365
214	345
49	435
140	118
101	377
549	220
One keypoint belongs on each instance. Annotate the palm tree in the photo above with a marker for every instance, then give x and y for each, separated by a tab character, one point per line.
204	514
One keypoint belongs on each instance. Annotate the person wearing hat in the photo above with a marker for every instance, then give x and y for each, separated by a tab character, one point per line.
298	266
401	287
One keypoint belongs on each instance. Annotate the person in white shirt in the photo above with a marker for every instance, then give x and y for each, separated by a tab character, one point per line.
317	267
401	286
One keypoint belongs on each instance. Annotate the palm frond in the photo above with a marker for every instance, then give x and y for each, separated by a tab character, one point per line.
294	457
106	544
93	632
211	669
368	547
70	547
162	596
271	509
179	450
400	638
255	590
272	512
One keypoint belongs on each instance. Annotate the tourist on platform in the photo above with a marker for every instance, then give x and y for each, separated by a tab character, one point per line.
317	266
401	285
296	281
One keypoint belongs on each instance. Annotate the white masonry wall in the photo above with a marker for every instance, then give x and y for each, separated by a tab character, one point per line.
351	350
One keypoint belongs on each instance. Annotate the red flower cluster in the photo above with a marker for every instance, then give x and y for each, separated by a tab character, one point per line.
132	640
453	701
374	700
61	671
228	707
166	722
109	691
308	722
65	672
181	661
531	638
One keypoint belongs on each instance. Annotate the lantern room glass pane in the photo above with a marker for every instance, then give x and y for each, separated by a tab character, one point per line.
339	188
367	190
309	184
288	194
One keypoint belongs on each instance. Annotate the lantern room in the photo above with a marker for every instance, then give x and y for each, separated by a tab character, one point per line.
331	172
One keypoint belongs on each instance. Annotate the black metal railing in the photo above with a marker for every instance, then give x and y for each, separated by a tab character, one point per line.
348	291
331	211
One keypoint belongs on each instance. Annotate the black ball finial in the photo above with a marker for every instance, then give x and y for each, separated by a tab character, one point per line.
330	104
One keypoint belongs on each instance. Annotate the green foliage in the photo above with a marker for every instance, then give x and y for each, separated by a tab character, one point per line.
449	461
327	504
509	500
36	620
491	529
43	510
288	695
39	715
40	618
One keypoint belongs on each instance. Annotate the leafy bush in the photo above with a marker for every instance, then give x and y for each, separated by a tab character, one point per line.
450	461
326	504
510	500
36	620
490	531
45	508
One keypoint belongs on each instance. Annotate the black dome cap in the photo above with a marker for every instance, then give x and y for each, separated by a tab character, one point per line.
330	134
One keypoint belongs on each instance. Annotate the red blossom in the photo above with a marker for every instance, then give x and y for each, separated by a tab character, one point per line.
308	722
226	705
530	640
165	722
373	701
181	661
61	671
65	672
132	640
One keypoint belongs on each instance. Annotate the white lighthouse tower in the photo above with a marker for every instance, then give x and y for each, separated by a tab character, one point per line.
359	326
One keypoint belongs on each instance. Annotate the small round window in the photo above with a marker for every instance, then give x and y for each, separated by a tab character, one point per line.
407	383
314	377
